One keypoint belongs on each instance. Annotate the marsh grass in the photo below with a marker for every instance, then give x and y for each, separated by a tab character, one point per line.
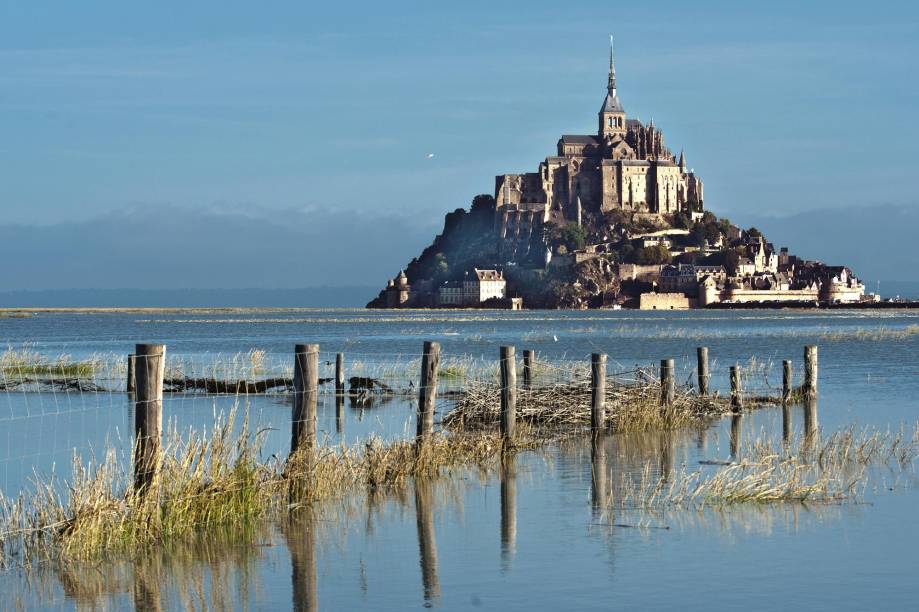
24	362
877	334
631	404
208	481
828	471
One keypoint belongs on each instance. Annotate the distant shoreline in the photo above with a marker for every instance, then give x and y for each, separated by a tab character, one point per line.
23	312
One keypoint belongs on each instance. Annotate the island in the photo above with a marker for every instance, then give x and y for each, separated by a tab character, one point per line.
612	220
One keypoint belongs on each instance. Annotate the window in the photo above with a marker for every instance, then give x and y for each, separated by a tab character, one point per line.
609	122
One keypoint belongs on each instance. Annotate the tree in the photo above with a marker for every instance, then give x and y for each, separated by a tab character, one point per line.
653	255
730	261
482	203
441	266
681	221
754	233
573	236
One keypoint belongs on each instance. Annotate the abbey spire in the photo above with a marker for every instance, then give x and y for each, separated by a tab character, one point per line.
612	115
611	85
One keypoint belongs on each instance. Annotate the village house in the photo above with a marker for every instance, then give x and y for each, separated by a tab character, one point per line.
477	287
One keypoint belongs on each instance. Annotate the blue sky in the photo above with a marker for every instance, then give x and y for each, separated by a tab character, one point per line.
231	108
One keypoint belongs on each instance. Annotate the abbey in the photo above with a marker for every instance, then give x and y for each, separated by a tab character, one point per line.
624	166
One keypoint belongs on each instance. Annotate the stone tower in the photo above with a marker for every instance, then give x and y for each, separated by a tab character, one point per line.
612	115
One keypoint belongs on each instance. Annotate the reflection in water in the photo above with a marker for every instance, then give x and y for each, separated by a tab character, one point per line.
599	473
786	423
300	535
666	456
339	414
217	571
427	546
148	578
508	508
810	419
736	423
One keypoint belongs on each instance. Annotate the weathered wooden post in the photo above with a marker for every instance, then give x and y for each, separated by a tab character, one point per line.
810	370
131	384
150	365
787	381
427	389
339	374
529	360
702	360
668	389
736	389
508	392
306	394
598	391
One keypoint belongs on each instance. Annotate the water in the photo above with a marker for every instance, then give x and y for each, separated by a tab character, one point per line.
528	536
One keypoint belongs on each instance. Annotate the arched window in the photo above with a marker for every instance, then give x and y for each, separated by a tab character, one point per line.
609	122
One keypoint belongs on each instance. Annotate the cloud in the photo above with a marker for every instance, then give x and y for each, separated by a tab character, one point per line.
155	247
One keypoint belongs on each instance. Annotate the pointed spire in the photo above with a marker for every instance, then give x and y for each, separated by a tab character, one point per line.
611	85
682	162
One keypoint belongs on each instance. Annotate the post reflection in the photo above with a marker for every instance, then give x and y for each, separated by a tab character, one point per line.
300	534
508	508
810	418
427	546
736	423
339	414
666	455
786	423
599	473
147	581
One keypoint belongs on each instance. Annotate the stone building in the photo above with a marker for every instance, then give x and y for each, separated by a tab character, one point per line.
624	166
398	291
475	288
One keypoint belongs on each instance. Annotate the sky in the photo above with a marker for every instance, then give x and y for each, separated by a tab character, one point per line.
258	128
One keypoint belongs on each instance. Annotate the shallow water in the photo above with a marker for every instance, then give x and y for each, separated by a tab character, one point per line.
529	535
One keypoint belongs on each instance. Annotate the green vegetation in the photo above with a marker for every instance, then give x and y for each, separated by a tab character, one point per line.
654	254
572	236
24	362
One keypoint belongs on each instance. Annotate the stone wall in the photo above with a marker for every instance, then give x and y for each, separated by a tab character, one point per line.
665	301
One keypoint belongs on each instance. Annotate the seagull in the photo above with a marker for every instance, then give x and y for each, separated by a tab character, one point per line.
554	337
430	155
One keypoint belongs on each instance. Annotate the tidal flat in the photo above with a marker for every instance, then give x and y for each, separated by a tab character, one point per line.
541	528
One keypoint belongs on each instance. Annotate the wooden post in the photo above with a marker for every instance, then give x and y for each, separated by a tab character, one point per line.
306	394
339	374
427	389
736	389
702	359
787	380
810	370
131	385
150	365
529	359
668	390
598	391
508	392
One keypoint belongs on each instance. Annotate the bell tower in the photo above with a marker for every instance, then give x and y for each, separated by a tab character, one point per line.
612	115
